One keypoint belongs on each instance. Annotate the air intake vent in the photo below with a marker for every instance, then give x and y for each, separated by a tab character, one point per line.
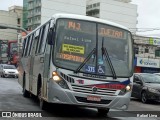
67	78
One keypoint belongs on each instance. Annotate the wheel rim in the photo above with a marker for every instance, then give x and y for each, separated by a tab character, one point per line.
144	99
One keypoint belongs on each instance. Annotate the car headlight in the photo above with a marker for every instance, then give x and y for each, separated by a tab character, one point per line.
125	90
62	83
4	71
152	90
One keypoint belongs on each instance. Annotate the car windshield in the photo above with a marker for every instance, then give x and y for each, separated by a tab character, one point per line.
9	67
151	78
76	39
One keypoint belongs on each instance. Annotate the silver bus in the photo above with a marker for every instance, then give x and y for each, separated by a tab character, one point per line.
78	60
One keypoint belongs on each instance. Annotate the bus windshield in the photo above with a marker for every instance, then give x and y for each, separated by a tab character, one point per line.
76	39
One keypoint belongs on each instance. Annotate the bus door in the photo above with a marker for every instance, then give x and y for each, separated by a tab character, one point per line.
33	50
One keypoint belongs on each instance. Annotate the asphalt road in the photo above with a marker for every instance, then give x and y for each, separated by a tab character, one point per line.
11	99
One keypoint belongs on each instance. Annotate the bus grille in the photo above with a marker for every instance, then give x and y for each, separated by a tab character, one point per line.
87	89
69	79
83	99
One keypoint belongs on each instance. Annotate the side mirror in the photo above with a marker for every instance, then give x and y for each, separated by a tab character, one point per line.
51	36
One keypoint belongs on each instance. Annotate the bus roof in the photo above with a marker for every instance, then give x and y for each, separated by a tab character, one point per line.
80	17
88	18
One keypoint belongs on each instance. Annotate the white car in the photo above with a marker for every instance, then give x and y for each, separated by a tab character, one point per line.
8	71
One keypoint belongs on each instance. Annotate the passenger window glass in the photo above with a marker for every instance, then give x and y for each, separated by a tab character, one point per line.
37	37
43	39
24	45
30	45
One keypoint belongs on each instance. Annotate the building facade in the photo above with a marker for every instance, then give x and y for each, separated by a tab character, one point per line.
118	11
12	18
147	54
38	11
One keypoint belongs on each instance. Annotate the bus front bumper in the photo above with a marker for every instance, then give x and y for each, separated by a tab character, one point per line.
56	94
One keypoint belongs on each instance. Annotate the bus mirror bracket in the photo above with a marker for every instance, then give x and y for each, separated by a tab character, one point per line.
51	36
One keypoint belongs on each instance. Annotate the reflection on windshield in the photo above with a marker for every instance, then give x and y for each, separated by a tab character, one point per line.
149	78
75	39
9	67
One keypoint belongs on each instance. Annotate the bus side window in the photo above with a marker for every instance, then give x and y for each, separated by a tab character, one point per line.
37	36
30	45
24	44
43	38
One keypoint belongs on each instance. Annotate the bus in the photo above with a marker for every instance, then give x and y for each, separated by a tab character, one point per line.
78	60
13	52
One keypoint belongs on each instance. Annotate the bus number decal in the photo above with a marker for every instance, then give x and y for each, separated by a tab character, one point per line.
90	69
73	48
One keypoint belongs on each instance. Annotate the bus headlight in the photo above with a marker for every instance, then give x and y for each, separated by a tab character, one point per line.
56	78
125	90
62	83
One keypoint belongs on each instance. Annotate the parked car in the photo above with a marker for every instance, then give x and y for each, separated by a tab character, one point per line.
8	71
146	87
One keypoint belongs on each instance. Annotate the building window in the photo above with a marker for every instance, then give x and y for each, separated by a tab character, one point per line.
18	21
157	53
146	50
94	5
136	50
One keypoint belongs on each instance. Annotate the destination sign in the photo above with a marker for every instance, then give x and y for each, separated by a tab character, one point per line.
108	32
74	25
103	30
70	57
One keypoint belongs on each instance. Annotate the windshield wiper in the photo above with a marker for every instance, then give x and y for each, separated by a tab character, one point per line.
104	52
93	52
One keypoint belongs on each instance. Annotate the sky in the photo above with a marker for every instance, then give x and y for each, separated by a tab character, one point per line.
148	14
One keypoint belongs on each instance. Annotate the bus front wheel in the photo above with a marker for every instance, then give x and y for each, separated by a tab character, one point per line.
43	104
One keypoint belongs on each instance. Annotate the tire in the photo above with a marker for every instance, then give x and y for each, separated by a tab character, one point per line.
103	112
144	97
24	91
42	103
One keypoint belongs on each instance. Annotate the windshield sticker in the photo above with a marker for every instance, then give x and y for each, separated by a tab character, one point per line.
101	69
100	61
72	48
70	57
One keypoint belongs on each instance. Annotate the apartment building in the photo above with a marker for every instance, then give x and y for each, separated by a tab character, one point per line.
119	11
147	54
38	11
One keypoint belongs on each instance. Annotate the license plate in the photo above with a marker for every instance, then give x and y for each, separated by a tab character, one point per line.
93	98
